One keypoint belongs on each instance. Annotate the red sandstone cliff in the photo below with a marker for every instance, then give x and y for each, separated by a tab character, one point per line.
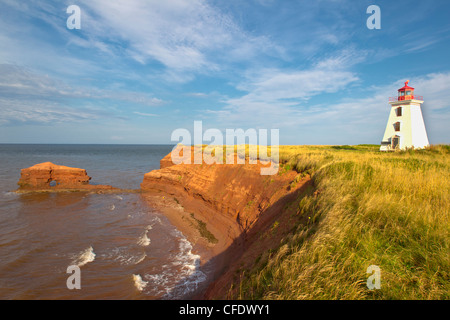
243	207
236	190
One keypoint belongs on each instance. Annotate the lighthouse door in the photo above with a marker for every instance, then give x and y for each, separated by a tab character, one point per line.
395	142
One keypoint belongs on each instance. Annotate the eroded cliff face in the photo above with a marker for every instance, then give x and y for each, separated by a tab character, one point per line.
49	176
251	212
238	191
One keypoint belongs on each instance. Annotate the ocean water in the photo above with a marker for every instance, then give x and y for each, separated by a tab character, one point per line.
123	247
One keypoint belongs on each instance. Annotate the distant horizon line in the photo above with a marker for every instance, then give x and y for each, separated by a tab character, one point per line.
165	144
86	144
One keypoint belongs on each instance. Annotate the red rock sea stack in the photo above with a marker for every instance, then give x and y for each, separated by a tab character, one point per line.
49	176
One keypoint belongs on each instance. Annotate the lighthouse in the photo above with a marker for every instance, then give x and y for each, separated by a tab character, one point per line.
405	127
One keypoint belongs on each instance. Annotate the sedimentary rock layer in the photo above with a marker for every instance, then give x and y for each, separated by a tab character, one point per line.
49	176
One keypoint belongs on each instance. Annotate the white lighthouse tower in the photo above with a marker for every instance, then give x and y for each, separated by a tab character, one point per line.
405	128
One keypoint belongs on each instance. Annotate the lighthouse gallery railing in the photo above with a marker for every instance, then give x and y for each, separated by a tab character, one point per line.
403	98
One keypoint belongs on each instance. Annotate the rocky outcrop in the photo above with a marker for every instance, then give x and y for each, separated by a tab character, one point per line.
49	176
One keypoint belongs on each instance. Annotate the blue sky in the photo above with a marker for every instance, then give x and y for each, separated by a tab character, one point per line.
139	69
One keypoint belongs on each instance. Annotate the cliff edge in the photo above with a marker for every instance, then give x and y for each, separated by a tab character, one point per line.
237	204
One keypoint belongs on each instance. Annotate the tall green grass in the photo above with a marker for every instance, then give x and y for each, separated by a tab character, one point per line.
369	208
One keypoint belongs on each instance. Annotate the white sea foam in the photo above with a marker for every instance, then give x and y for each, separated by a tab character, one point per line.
139	283
142	258
85	257
190	274
125	256
157	220
10	195
181	276
144	240
160	280
112	208
118	197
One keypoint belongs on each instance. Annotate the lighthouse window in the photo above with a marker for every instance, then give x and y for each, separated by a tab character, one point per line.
408	93
399	112
397	126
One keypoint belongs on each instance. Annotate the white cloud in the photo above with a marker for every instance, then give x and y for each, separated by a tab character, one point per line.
435	88
27	96
171	32
275	85
145	114
275	97
17	81
183	35
15	111
197	94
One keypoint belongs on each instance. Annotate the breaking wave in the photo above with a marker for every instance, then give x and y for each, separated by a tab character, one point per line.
144	239
182	276
85	257
139	283
125	256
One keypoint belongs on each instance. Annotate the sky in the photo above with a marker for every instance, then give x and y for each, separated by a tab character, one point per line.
137	70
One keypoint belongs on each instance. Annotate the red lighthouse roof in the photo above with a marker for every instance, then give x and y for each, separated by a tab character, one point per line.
406	87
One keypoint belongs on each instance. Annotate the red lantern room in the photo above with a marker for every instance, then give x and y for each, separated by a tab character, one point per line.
406	93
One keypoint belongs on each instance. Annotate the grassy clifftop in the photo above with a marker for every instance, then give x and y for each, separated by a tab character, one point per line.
368	208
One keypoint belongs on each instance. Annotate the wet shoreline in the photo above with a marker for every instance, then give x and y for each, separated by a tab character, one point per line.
212	259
